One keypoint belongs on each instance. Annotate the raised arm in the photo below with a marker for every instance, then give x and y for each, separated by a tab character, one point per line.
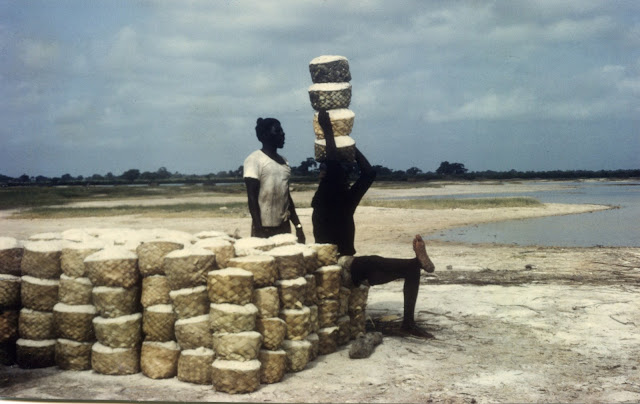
325	124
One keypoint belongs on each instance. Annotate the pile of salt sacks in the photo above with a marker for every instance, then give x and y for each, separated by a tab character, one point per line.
205	308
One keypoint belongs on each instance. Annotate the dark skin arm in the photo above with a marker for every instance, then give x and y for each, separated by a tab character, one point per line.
325	124
253	190
293	216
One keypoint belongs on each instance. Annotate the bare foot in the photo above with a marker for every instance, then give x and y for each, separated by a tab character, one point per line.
414	331
421	254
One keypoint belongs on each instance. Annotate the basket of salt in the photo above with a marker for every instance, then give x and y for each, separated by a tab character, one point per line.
329	69
274	365
159	360
35	354
114	361
190	302
273	331
8	325
330	95
119	332
298	322
222	248
358	298
241	346
230	285
194	365
341	122
113	266
343	299
328	281
115	301
188	268
289	262
328	340
232	318
158	323
328	312
292	292
9	291
36	325
311	294
315	346
267	301
358	324
155	290
74	290
314	325
151	255
235	377
251	245
72	257
327	253
345	147
41	259
73	355
298	353
11	252
344	330
39	294
74	322
263	268
193	332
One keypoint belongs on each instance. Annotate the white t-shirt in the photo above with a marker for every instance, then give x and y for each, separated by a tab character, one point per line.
273	198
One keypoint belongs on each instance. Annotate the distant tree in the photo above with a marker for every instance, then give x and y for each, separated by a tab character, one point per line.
303	168
162	173
447	168
130	175
66	178
109	176
24	178
413	171
41	179
97	177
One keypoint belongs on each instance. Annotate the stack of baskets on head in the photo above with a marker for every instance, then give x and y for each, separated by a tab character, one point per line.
331	91
11	251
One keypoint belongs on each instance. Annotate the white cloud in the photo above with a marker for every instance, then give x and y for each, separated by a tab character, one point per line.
38	55
519	103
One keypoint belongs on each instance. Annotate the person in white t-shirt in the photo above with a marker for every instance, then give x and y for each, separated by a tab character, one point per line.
266	175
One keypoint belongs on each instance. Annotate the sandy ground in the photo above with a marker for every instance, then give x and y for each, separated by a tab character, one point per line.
511	324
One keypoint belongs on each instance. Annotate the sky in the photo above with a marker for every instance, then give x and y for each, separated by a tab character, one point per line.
92	87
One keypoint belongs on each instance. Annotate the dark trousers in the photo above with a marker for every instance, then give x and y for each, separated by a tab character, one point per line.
266	232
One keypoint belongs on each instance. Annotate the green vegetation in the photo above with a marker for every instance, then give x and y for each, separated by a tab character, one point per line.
452	203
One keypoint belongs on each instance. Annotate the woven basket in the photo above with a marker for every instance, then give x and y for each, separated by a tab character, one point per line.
119	332
273	331
293	293
115	301
330	95
328	312
232	318
289	262
72	260
74	322
74	290
41	259
32	354
73	355
158	323
328	340
298	354
274	365
314	340
151	255
223	250
8	325
327	253
329	69
344	330
345	149
345	262
241	346
235	377
115	361
39	294
311	294
343	300
310	258
314	325
230	285
298	323
358	323
328	281
193	332
188	268
190	302
159	360
115	266
249	245
358	299
341	122
9	291
36	325
155	290
194	365
263	268
267	300
10	256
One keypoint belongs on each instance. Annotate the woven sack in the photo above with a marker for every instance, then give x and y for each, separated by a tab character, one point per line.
9	291
32	354
232	318
72	258
188	268
194	365
328	281
155	290
298	353
192	333
151	255
222	248
74	290
330	95
328	340
314	325
158	323
267	300
119	332
358	324
292	292
263	268
235	377
73	355
249	245
190	302
74	322
36	325
241	346
41	259
310	258
289	262
328	312
115	361
311	294
113	266
341	122
115	301
230	285
10	256
159	360
314	340
343	300
329	69
358	298
344	330
8	325
327	253
273	331
298	323
39	294
274	365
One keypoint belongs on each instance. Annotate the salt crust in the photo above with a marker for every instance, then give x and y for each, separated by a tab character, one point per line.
292	282
303	310
160	308
251	365
284	250
7	243
200	351
232	272
85	245
211	234
341	141
84	281
313	337
330	87
98	347
328	330
189	252
108	289
339	113
241	334
46	236
288	344
118	320
65	341
267	352
212	242
326	59
280	239
75	308
187	291
253	243
329	268
40	281
171	345
193	320
10	278
235	308
36	343
112	253
43	246
254	258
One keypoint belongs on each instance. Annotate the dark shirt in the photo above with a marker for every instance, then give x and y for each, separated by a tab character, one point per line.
334	205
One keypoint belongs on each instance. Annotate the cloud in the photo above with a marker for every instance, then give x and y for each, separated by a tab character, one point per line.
39	55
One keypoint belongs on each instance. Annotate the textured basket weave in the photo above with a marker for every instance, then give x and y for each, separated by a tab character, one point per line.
315	346
194	365
235	377
274	365
190	302
310	258
155	290
115	301
346	149
73	355
314	325
328	340
32	354
36	325
311	294
39	294
232	318
327	253
74	290
119	332
344	330
41	259
9	291
74	322
293	293
192	333
10	256
345	262
230	285
298	323
358	323
327	312
151	255
72	260
158	323
343	299
122	272
341	122
330	95
119	361
159	360
8	325
289	262
358	298
223	250
267	301
241	346
298	354
273	331
188	268
263	268
329	69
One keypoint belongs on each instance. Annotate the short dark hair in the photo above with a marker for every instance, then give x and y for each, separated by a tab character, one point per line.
263	127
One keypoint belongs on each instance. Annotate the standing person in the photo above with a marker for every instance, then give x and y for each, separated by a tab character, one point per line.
334	205
266	176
